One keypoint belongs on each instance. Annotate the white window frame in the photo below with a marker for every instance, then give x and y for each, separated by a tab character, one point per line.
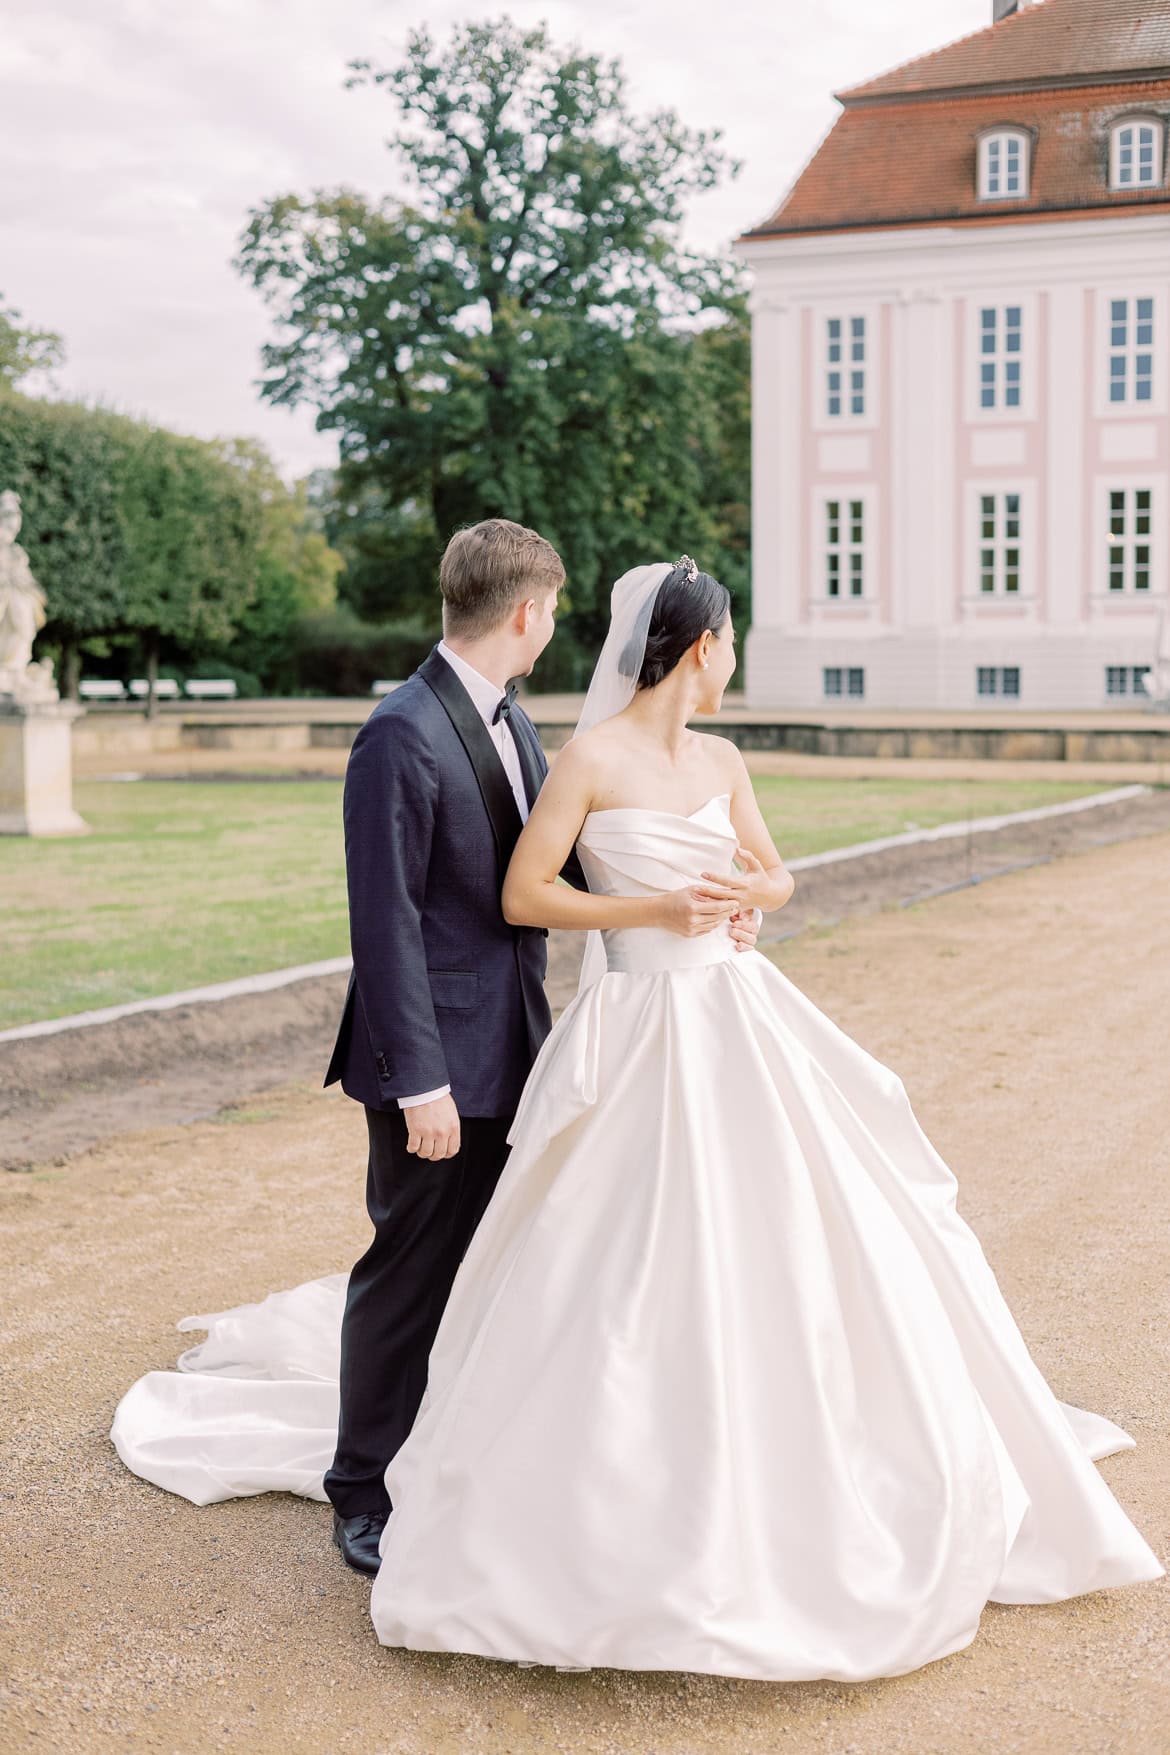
1130	684
998	488
1001	300
1135	542
1129	481
999	674
1104	406
843	539
1000	564
845	311
844	495
846	367
846	673
995	164
1119	148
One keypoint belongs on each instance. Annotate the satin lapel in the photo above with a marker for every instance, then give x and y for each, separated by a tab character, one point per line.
533	766
494	786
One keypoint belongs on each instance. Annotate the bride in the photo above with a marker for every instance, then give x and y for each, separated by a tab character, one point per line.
725	1383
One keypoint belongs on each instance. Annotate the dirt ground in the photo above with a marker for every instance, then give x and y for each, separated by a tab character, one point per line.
62	1094
1027	1018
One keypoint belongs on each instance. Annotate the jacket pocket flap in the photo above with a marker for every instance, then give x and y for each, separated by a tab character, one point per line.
453	987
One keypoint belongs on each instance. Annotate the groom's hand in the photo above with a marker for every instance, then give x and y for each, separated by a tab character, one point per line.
432	1129
745	928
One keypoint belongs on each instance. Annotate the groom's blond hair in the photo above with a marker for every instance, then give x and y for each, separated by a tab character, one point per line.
488	569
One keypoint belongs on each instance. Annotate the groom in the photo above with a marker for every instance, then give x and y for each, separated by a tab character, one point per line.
446	1007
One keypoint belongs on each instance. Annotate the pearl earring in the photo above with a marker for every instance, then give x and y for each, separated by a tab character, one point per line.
704	664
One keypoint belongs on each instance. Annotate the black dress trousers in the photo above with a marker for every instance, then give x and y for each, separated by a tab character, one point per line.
424	1214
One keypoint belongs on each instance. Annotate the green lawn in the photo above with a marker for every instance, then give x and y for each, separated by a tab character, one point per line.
179	884
810	816
183	883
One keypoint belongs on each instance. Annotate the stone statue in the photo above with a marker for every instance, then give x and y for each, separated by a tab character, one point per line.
22	615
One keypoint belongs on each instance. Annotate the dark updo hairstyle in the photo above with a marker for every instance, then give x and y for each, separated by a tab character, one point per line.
685	605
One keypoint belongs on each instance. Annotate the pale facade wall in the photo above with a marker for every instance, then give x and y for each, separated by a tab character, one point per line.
923	455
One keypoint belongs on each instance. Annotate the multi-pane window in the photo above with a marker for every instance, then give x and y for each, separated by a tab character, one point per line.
1000	330
1131	350
845	365
994	679
1003	166
857	365
1130	517
833	370
838	680
1137	155
999	543
1126	679
844	548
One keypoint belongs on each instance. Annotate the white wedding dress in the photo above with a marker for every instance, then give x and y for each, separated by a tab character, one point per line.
725	1383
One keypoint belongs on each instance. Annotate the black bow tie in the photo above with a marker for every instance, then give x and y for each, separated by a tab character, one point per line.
504	705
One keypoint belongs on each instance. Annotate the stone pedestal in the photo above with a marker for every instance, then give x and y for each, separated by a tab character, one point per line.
36	768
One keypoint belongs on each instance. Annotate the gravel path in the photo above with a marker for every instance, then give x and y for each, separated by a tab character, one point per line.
1027	1018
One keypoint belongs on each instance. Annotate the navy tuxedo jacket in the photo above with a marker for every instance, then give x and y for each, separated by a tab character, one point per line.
443	990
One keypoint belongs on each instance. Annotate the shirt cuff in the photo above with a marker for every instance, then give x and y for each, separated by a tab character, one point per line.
427	1097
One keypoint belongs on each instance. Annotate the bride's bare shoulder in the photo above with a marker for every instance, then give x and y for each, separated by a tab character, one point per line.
583	758
593	761
723	755
596	746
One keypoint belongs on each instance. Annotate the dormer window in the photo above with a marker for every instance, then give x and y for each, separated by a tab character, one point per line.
1135	153
1003	165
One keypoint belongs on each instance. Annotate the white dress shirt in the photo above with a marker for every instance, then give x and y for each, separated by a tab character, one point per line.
485	697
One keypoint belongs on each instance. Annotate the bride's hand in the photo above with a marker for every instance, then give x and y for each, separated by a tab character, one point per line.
743	888
694	911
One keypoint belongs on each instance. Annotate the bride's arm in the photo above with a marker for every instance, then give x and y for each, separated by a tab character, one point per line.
765	881
532	895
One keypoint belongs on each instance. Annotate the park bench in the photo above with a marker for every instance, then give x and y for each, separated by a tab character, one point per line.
210	689
165	689
384	688
97	689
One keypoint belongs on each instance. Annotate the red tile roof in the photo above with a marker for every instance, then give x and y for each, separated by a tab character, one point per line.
904	152
1047	41
912	163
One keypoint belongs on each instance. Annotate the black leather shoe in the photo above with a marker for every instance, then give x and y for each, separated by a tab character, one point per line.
358	1537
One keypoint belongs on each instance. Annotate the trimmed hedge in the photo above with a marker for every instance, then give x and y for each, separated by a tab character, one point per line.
153	544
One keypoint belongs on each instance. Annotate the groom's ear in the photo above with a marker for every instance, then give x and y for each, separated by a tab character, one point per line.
529	610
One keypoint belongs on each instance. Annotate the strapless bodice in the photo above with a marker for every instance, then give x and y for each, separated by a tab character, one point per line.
638	851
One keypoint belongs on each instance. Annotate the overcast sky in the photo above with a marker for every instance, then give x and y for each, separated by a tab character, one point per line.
136	135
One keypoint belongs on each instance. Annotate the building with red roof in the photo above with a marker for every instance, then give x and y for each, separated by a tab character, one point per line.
961	395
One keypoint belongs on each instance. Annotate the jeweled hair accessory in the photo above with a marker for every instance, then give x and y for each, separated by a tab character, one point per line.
689	567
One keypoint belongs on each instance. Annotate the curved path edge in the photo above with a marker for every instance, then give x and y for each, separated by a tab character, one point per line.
250	984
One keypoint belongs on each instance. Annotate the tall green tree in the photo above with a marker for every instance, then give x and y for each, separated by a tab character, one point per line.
189	533
515	336
65	462
721	365
149	540
295	568
23	351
